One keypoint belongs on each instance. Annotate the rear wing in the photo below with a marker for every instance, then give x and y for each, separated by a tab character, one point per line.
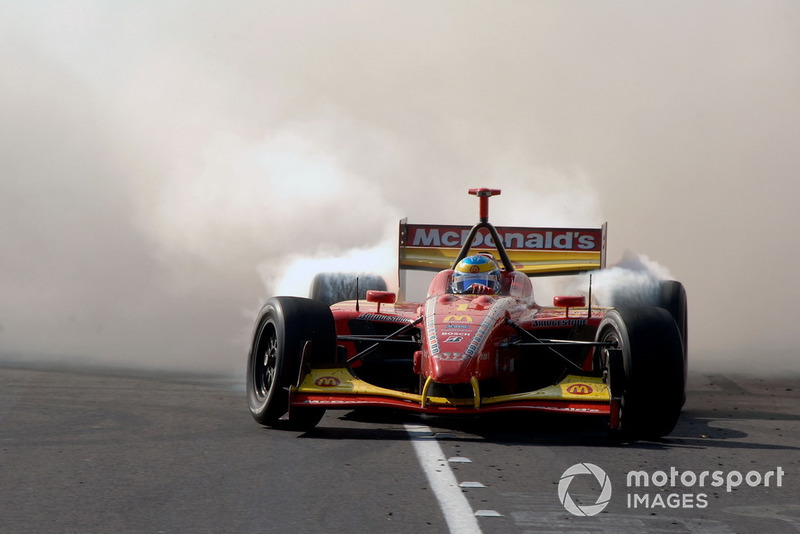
533	251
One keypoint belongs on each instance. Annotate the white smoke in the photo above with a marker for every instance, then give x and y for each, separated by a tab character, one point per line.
295	279
524	201
634	280
165	167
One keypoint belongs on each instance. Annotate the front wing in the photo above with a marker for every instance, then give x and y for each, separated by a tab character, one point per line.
338	388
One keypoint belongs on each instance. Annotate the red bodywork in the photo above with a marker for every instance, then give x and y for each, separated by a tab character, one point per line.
462	338
461	353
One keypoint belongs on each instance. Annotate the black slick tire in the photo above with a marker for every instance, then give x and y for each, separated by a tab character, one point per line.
672	297
648	350
282	329
330	288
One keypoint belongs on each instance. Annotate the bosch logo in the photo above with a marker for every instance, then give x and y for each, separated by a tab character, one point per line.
327	382
602	499
580	389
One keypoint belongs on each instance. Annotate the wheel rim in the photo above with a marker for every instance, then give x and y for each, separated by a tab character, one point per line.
265	363
610	336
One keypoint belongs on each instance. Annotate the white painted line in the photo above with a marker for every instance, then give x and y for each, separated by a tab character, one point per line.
459	460
455	507
467	484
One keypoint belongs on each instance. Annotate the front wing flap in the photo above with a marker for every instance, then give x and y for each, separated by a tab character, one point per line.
337	387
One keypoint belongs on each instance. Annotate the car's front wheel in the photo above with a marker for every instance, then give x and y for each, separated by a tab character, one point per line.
283	327
644	365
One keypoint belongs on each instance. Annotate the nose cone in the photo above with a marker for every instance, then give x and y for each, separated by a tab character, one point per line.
452	368
457	330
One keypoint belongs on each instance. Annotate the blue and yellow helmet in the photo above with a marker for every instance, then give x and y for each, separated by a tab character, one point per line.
476	269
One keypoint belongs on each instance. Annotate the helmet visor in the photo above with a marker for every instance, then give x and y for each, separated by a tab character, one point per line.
463	281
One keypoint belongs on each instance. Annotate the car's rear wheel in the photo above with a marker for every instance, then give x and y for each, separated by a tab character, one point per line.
283	327
330	288
644	366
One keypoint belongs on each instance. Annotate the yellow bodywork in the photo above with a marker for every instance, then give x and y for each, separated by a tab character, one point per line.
528	262
340	381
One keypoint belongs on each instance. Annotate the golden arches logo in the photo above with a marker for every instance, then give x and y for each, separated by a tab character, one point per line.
580	389
458	319
327	382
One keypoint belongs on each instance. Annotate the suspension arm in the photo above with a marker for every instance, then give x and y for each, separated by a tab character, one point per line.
372	348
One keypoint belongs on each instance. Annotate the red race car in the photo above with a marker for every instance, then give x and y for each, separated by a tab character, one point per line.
478	343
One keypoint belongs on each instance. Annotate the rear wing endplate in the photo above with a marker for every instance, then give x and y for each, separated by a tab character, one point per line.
533	251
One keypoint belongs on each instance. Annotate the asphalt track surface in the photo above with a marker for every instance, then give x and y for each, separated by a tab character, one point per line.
99	451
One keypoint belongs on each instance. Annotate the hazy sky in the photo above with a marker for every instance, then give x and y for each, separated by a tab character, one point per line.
163	163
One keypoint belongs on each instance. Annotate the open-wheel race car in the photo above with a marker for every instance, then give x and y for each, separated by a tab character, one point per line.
478	343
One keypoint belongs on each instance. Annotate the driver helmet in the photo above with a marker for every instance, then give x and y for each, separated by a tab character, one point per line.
476	269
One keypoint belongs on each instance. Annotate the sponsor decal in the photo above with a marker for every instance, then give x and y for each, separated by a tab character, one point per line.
453	339
498	309
580	389
430	327
327	382
458	318
384	318
562	322
451	356
577	239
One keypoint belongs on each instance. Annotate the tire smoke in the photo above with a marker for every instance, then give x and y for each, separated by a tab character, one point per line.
633	281
165	168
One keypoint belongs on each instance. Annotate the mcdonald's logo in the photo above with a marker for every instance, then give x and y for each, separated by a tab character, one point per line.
327	382
458	318
580	389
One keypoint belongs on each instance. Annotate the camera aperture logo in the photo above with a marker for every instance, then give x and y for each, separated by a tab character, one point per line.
584	469
669	487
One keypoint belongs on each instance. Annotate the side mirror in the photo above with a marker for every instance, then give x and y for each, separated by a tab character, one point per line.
562	301
569	302
381	297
